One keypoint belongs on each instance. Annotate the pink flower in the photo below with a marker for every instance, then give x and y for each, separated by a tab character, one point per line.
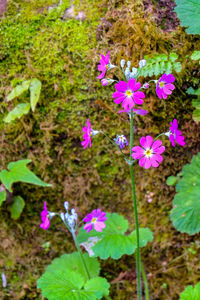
104	65
95	219
44	217
128	94
136	111
149	153
87	135
104	81
164	86
175	134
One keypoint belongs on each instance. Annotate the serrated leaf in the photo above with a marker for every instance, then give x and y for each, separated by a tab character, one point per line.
112	240
195	55
18	171
159	64
18	90
191	293
185	214
17	207
188	12
66	278
2	197
73	262
171	180
35	88
20	110
99	286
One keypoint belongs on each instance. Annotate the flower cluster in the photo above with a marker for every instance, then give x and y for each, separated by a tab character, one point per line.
128	93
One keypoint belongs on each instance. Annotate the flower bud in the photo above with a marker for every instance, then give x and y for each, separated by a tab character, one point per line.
66	205
128	64
104	81
145	85
142	63
122	63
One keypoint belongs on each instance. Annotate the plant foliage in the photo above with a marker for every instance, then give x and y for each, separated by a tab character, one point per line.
188	12
65	278
195	103
23	108
2	197
185	214
17	207
195	55
159	64
18	171
191	293
112	241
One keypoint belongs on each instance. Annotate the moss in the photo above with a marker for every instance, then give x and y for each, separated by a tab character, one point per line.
63	54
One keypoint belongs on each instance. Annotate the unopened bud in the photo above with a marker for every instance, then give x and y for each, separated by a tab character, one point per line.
122	63
142	63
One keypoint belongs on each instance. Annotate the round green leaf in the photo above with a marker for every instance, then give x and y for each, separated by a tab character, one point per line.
188	12
185	214
99	286
171	180
64	284
191	293
73	262
112	241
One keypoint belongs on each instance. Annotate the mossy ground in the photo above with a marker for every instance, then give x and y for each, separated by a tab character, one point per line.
37	42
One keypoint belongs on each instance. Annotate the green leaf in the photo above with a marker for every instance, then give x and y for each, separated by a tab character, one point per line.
17	207
185	214
171	180
188	12
99	286
112	240
2	197
66	278
159	64
145	236
191	91
35	88
18	171
20	110
18	90
195	55
191	293
73	262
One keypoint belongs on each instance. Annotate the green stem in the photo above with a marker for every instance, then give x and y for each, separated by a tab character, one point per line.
146	285
81	255
138	263
158	136
122	73
114	144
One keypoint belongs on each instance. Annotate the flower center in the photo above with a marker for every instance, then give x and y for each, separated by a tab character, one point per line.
128	93
161	84
94	220
148	152
121	138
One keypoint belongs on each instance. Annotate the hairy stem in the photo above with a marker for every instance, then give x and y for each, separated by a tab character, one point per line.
138	262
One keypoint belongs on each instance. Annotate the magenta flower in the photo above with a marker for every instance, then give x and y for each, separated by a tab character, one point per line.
87	135
121	140
175	134
164	86
104	65
128	94
149	153
95	219
136	111
44	217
